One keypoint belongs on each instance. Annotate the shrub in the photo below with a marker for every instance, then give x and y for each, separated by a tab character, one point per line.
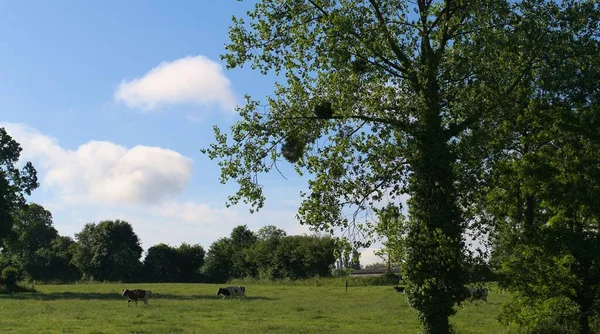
10	276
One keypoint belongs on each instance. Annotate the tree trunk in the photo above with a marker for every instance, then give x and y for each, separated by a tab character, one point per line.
584	323
529	216
434	267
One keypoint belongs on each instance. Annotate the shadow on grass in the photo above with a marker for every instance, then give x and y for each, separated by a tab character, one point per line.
109	296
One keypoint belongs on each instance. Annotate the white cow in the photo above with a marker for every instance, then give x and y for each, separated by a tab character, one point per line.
232	291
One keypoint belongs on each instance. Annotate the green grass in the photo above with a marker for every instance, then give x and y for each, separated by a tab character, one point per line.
194	308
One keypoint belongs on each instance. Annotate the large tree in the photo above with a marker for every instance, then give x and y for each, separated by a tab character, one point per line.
226	257
164	263
544	191
32	231
108	251
14	183
378	97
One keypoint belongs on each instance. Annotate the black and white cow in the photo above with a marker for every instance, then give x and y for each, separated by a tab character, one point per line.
478	293
232	291
136	295
399	289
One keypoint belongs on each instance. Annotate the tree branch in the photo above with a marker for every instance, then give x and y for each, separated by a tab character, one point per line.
404	60
401	125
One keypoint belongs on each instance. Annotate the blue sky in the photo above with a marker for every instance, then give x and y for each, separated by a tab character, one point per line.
112	102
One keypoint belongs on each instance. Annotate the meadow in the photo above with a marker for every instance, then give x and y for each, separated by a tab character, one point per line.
194	308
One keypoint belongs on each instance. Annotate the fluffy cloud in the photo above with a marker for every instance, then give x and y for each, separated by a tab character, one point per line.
367	255
102	171
190	80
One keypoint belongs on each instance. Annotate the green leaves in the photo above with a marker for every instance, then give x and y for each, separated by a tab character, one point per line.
14	183
459	104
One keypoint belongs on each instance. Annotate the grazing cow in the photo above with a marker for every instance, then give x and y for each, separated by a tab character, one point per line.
137	294
478	293
399	288
232	291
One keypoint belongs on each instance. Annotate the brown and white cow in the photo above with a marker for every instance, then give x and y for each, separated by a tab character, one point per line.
232	291
136	295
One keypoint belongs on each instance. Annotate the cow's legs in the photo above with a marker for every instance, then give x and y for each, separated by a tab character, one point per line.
128	301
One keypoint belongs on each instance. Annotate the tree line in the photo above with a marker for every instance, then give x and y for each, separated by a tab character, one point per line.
110	251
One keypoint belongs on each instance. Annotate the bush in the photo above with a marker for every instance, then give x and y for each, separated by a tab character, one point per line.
10	276
341	272
384	280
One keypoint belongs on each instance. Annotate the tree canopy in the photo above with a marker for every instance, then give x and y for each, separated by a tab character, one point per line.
14	183
385	98
109	250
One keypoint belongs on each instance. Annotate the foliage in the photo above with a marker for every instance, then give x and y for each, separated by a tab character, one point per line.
191	260
391	230
348	257
542	200
164	263
161	264
381	99
10	276
376	265
300	257
30	239
14	183
270	231
219	261
56	261
108	251
274	257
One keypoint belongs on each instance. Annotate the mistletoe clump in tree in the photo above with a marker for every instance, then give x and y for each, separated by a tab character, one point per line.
380	98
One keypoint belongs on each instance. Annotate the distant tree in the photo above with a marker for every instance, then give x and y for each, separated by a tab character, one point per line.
14	183
191	259
348	257
219	261
355	261
164	263
391	230
57	260
161	264
242	239
378	265
31	236
302	257
270	231
108	251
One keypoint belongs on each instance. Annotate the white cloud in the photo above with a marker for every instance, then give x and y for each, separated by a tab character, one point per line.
101	180
190	80
367	255
101	171
192	118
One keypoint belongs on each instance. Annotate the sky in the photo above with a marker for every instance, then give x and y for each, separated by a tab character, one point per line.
112	102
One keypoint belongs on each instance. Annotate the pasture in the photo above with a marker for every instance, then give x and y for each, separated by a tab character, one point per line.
194	308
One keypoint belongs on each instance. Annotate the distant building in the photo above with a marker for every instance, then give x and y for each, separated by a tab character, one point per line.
374	272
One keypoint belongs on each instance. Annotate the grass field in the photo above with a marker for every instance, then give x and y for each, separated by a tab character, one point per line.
194	308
